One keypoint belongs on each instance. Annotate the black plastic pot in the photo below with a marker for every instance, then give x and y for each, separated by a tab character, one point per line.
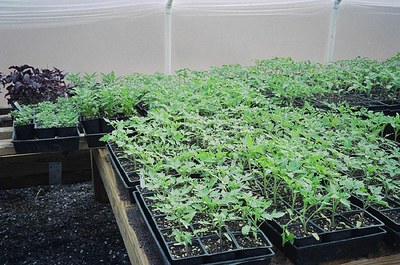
93	139
91	126
105	127
306	240
391	226
24	132
246	252
221	255
375	225
350	248
66	131
45	133
338	234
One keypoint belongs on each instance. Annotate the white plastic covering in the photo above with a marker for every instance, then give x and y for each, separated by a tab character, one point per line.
65	12
130	35
233	31
248	7
83	35
369	28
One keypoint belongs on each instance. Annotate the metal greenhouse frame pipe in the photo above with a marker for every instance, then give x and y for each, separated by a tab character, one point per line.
168	42
332	32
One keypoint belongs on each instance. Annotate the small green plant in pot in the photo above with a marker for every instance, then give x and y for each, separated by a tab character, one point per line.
86	97
45	120
23	123
67	118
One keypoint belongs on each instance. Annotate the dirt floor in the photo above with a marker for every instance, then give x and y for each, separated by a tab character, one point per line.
58	225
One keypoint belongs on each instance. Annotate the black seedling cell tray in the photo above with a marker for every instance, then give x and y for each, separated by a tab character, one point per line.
55	144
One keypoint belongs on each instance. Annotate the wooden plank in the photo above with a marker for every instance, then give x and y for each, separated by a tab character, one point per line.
6	133
5	120
55	173
6	147
38	164
99	192
24	181
71	177
29	170
136	254
4	109
386	260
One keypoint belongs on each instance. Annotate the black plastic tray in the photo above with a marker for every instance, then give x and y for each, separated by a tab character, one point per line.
122	173
57	144
379	214
201	259
352	248
117	170
392	238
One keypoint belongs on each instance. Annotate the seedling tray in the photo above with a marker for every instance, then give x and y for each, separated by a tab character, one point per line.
56	144
118	170
128	182
392	238
222	258
392	227
354	247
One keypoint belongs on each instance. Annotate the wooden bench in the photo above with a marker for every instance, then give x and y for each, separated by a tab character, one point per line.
22	170
25	170
108	188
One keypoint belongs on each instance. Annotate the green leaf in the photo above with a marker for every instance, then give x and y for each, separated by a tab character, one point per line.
246	230
315	235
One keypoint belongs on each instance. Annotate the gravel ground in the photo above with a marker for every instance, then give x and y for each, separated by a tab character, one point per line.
58	225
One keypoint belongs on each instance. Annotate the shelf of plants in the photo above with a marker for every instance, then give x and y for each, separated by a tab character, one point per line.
46	127
109	99
276	149
218	147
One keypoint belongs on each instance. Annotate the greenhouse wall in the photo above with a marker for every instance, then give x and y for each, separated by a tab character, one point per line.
206	34
126	37
368	28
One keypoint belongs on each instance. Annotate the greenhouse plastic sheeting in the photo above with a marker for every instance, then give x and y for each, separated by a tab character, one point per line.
369	28
62	12
83	35
243	31
129	36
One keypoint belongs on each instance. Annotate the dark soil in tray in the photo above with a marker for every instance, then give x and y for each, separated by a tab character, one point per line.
179	251
58	225
214	245
249	241
393	215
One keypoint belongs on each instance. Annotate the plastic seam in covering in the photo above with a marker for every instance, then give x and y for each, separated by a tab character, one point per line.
251	7
71	12
374	7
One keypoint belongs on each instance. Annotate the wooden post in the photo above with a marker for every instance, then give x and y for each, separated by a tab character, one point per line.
55	173
99	192
135	251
